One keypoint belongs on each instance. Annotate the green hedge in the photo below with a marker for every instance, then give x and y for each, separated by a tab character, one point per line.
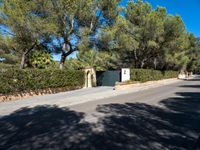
15	80
144	75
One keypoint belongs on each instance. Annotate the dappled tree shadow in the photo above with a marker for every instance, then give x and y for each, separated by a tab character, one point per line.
130	126
43	127
141	126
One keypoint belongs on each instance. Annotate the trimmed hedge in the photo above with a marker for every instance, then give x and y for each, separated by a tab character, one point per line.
144	75
15	80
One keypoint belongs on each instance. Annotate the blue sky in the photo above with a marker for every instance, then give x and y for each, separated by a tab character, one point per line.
189	10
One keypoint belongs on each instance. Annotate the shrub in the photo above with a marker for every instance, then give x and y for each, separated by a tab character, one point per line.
144	75
15	80
41	59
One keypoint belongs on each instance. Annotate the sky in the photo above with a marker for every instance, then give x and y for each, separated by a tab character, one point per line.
189	10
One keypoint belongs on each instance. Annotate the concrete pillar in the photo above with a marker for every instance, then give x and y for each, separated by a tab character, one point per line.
125	74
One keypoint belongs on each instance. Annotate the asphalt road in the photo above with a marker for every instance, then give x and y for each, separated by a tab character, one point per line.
162	118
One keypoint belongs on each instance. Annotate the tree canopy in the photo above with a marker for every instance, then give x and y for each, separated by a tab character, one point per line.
149	38
103	34
26	24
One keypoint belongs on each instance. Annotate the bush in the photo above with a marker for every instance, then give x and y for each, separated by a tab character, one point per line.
15	80
144	75
41	59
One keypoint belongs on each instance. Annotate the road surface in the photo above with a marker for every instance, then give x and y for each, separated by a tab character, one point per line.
161	118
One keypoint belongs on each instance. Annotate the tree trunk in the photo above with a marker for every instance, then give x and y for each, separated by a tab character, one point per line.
23	59
142	64
155	63
24	55
135	58
135	63
62	60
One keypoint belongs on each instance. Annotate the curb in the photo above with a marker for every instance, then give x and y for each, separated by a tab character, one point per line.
149	83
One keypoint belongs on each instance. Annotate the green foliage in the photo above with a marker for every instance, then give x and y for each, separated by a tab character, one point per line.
41	59
148	38
9	56
194	56
141	38
15	80
26	24
144	75
92	58
4	66
73	64
78	22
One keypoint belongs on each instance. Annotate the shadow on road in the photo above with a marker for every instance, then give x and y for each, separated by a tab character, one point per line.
130	126
141	126
190	86
196	78
42	127
197	85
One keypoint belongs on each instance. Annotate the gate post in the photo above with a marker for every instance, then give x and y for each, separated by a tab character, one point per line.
90	77
125	74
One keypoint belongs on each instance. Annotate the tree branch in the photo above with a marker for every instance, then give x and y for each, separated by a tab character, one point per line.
31	48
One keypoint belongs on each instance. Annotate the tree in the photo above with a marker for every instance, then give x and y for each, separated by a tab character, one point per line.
137	35
116	40
78	22
176	43
142	37
7	55
194	54
93	58
148	38
26	23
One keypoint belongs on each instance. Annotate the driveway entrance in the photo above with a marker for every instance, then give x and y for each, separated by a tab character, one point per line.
108	78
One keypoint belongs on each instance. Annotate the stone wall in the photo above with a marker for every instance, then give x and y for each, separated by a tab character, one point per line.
27	94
